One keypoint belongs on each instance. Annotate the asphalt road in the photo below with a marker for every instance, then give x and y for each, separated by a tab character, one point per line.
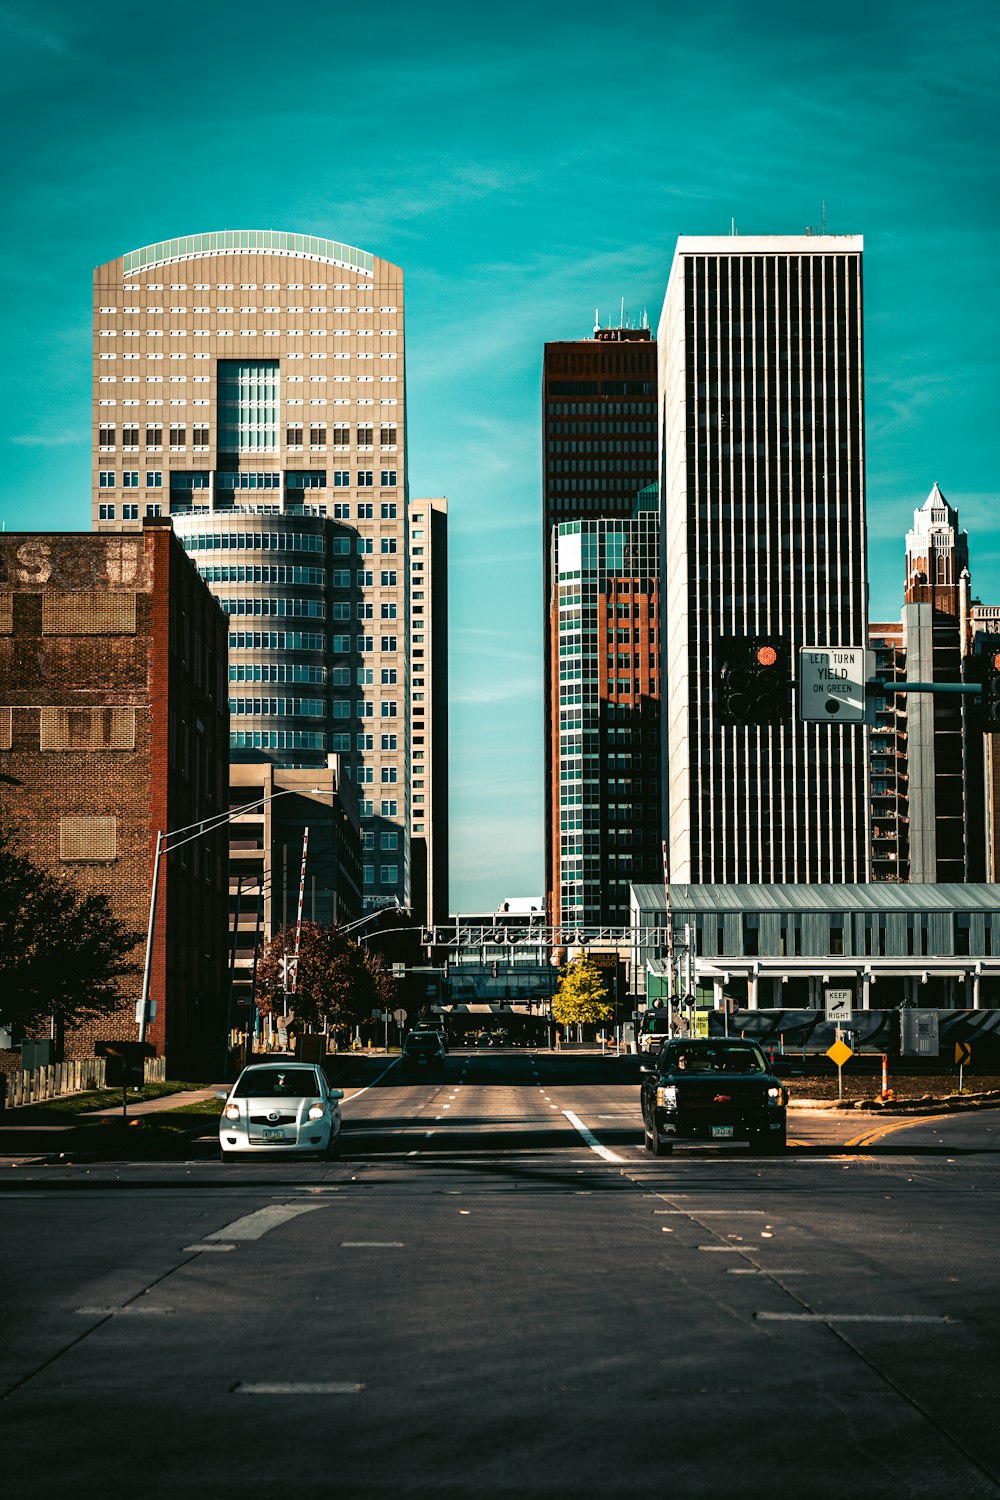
498	1293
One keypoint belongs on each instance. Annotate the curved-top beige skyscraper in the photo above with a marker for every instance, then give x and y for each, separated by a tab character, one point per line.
251	384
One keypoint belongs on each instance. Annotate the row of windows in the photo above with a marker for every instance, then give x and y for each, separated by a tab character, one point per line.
284	708
388	874
365	741
276	640
276	739
277	671
312	608
342	708
106	511
247	541
339	436
247	573
129	479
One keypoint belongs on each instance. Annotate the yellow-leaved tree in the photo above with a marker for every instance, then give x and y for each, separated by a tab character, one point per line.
581	999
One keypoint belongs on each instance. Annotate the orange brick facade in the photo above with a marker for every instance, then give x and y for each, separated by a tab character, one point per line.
114	724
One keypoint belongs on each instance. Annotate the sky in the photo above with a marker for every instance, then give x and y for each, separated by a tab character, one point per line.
526	165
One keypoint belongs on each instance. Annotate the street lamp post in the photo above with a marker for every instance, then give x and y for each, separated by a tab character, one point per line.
175	838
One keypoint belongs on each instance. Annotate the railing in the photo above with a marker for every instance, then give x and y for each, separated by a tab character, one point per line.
55	1080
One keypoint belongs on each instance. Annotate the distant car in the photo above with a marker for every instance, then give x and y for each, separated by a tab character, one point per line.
431	1031
714	1090
281	1106
422	1049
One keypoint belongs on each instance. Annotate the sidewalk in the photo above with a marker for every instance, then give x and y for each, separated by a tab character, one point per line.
152	1106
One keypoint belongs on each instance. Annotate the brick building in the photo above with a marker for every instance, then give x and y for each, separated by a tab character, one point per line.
114	725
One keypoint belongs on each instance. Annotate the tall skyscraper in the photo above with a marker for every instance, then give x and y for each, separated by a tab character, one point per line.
599	441
251	384
429	709
763	512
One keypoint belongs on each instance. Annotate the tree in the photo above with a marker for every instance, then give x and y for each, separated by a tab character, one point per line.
581	999
62	951
338	982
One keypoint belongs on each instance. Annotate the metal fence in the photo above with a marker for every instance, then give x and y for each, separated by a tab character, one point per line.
58	1079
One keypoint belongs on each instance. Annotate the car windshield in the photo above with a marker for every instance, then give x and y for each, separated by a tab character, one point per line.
706	1057
275	1083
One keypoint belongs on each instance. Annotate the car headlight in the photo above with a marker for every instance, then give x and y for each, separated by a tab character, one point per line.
666	1096
232	1111
316	1111
776	1097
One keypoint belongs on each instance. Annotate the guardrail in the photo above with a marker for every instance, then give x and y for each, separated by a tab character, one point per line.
56	1080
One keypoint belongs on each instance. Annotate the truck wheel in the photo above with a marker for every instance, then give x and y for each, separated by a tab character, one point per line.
661	1148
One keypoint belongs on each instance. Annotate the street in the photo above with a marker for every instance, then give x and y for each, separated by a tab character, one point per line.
497	1292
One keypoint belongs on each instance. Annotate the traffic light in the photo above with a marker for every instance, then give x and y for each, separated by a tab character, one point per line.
752	680
988	672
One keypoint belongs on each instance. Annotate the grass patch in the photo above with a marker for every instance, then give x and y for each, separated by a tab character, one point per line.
77	1104
211	1107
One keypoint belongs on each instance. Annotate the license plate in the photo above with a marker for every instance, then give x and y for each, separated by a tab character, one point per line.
272	1135
722	1132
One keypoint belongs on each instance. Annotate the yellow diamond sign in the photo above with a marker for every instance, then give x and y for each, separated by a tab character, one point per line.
839	1053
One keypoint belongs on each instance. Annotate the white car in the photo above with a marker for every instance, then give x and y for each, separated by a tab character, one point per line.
281	1106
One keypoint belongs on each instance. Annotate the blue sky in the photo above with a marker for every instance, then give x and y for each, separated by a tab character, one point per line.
525	165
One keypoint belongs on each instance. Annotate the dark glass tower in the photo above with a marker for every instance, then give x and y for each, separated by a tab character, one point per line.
599	443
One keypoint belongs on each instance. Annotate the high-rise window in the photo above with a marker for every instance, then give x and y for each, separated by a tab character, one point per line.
248	404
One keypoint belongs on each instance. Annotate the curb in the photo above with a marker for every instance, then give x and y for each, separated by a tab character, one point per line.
928	1105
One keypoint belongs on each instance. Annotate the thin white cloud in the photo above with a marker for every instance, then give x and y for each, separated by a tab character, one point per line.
50	439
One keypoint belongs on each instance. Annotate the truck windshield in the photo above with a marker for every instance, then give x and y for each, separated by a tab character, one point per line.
707	1057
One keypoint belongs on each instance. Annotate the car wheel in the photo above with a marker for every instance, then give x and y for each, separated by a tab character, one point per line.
661	1147
332	1152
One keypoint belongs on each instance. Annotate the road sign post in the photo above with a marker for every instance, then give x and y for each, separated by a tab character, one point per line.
963	1055
839	1053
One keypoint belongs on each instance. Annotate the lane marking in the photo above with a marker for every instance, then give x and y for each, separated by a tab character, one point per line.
785	1317
870	1136
724	1249
753	1271
349	1098
204	1249
590	1138
120	1312
299	1388
706	1213
371	1245
254	1226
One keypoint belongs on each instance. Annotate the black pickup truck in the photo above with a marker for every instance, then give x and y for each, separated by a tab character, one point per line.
712	1091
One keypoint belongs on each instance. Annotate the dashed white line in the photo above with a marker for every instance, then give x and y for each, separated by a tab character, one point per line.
120	1312
782	1317
299	1388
